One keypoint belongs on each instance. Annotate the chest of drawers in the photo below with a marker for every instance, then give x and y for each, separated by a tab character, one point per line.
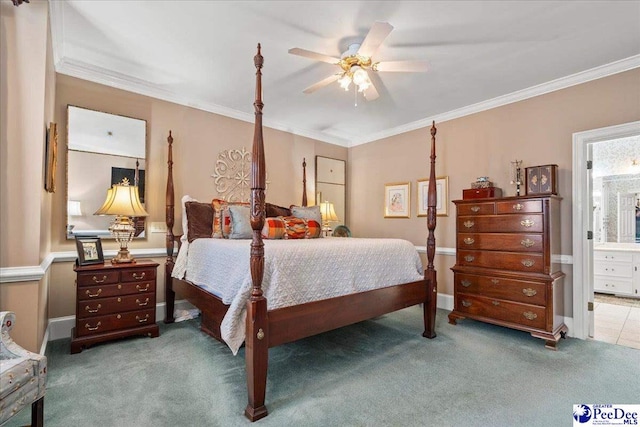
114	301
506	271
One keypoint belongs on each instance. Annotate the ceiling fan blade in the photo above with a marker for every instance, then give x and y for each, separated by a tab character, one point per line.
378	32
371	93
322	83
402	66
313	55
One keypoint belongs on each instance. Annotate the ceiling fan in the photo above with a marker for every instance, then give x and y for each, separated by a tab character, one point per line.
357	60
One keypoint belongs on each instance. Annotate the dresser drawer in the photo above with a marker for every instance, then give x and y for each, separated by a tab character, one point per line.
529	262
519	206
497	287
95	292
98	278
138	275
111	322
524	223
102	306
477	209
614	269
501	241
612	285
532	316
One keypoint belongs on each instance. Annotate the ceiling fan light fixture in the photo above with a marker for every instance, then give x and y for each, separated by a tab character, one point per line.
360	78
345	81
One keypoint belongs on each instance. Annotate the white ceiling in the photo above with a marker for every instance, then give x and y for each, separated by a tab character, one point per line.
481	54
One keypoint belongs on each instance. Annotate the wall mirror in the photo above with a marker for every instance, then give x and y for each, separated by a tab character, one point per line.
102	149
331	186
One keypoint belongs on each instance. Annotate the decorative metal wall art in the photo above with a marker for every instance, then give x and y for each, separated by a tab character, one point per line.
232	175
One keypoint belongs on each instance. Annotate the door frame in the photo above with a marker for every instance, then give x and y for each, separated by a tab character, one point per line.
582	198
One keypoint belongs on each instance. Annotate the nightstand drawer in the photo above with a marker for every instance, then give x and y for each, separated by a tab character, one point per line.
138	275
112	322
523	314
98	278
104	306
95	292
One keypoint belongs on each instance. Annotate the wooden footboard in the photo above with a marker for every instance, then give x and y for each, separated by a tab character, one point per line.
266	329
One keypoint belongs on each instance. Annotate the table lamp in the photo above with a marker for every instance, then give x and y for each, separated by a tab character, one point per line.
122	201
328	214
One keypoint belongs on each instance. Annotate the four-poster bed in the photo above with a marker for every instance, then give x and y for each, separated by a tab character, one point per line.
267	327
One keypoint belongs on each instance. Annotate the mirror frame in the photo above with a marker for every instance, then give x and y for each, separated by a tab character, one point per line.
341	211
104	234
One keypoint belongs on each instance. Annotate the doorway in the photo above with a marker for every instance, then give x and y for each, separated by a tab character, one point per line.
583	257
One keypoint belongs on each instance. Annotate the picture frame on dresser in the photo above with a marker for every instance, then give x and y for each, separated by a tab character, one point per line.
442	196
397	200
89	250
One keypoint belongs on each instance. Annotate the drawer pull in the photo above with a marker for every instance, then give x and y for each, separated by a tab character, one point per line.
140	289
469	258
135	276
97	294
465	283
517	207
466	303
530	315
529	292
527	262
469	224
93	310
95	279
142	304
495	281
469	240
144	319
496	303
527	243
94	328
475	209
526	223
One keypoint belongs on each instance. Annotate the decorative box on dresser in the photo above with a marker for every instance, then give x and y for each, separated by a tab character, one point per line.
507	272
114	301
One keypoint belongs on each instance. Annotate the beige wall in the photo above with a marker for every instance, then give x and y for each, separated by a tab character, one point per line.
27	93
538	131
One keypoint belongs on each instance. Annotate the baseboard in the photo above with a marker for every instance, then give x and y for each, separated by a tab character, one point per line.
60	327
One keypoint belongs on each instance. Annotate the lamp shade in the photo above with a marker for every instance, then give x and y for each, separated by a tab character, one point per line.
122	200
73	208
328	212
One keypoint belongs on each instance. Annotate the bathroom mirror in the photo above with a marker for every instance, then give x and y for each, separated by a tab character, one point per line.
331	186
102	149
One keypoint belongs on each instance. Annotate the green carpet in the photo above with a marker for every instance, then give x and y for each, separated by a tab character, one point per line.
375	373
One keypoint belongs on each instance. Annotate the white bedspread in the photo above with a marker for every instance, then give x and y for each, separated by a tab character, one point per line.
296	272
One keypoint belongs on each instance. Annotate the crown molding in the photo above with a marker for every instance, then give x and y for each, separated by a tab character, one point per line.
541	89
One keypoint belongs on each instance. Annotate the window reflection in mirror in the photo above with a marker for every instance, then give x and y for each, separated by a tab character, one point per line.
102	149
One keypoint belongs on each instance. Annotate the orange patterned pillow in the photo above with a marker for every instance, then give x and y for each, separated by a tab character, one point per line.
300	228
274	228
314	229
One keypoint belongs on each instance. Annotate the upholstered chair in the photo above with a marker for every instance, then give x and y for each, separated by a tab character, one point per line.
23	376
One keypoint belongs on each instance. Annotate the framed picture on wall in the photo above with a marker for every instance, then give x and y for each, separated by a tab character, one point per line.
442	196
89	250
397	200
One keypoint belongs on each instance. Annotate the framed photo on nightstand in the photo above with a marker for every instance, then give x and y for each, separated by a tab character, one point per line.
89	250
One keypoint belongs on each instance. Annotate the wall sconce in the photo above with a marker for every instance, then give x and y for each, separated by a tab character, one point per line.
122	201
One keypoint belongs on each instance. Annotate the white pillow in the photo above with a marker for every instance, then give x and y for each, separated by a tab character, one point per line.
185	223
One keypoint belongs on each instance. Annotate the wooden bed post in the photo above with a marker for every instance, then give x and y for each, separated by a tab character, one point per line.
257	337
304	181
169	294
430	273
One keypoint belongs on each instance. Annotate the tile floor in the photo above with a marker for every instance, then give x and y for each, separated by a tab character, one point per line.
617	324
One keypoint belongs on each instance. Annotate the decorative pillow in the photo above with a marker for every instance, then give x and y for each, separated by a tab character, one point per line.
240	222
314	229
222	218
300	228
274	228
185	222
275	210
307	212
199	220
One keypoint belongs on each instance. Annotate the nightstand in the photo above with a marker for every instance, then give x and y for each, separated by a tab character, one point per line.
114	301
